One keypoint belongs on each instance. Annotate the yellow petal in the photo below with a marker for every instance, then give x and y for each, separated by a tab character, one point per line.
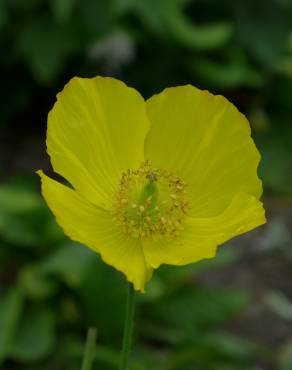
96	130
202	236
206	141
92	226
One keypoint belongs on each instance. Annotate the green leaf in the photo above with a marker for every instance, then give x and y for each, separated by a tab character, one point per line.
231	74
4	17
228	346
211	351
62	9
45	46
169	21
285	356
28	6
35	284
267	36
95	17
35	336
200	37
10	310
18	230
276	151
193	311
18	200
25	220
179	275
171	279
103	295
69	263
279	303
52	232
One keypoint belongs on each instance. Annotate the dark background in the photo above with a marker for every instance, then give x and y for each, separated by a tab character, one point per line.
231	313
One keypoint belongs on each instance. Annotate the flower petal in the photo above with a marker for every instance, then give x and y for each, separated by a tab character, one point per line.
92	225
202	236
204	139
96	131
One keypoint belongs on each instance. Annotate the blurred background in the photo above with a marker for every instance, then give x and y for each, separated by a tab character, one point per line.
230	313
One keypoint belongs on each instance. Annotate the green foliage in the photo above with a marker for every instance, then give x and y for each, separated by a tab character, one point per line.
17	200
223	46
35	335
169	22
198	310
10	309
44	47
61	288
52	289
269	33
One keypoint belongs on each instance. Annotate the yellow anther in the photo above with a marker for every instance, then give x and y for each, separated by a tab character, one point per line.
148	200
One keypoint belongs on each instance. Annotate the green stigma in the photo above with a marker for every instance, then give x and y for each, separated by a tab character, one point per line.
149	193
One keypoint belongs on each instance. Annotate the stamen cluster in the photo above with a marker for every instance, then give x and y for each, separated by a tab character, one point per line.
150	202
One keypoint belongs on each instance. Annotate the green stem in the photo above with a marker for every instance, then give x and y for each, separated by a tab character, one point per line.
128	330
89	349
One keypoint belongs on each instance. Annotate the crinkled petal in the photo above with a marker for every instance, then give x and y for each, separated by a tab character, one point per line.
92	226
205	140
202	236
96	131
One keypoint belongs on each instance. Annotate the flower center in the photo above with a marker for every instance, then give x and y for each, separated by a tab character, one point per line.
150	202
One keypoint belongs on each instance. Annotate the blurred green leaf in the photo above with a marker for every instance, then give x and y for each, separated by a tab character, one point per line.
69	263
10	311
18	230
18	200
103	295
106	357
231	74
197	310
52	232
228	345
169	21
4	18
45	46
276	164
266	37
35	284
25	220
201	37
62	9
24	6
104	354
220	352
284	359
179	275
96	18
280	304
169	278
35	336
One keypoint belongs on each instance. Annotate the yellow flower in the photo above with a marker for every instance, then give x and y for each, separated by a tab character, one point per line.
161	181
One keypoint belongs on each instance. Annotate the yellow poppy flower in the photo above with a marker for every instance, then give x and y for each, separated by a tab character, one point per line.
161	181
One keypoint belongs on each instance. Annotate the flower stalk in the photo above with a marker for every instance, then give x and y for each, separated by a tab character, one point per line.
128	329
89	349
